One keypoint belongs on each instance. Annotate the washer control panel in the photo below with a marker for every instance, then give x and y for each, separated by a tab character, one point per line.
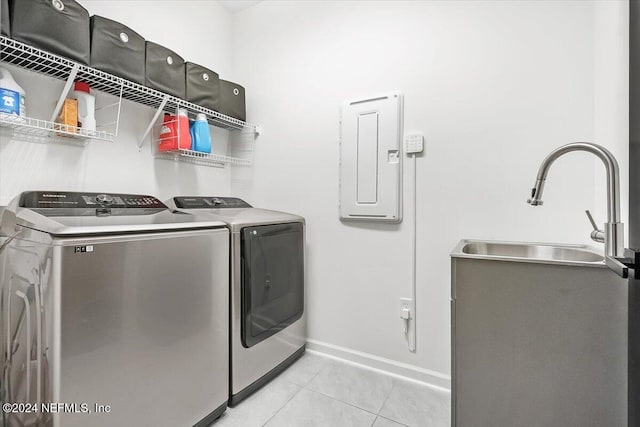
76	200
199	202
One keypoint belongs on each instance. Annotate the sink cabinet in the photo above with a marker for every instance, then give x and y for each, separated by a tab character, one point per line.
537	342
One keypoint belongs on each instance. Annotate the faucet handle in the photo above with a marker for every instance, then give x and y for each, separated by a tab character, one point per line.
597	235
593	223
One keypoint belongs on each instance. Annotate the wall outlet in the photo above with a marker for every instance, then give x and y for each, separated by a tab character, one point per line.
407	314
406	307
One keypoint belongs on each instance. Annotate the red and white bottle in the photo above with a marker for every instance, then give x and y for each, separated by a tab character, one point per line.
86	106
174	133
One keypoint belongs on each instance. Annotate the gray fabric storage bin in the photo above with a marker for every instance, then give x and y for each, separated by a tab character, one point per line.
57	26
232	100
203	86
117	49
5	29
165	70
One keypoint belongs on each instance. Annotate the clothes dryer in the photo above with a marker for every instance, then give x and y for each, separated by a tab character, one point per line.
267	317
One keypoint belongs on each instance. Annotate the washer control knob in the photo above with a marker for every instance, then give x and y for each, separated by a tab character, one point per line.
104	199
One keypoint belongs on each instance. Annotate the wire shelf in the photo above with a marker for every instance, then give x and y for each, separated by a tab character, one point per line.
203	159
40	61
35	129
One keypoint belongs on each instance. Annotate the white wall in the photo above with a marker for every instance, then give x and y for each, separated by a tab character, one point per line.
200	32
494	86
611	98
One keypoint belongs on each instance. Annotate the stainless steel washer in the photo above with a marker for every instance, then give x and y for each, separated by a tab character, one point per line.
115	307
267	324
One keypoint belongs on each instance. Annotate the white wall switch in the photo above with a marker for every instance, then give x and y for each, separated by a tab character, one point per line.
413	143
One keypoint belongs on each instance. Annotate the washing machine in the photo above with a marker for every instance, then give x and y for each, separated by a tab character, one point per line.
114	312
267	317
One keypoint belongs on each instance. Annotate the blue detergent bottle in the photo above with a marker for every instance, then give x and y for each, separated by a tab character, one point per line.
200	135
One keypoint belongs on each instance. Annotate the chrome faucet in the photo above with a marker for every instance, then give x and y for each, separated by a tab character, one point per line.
614	229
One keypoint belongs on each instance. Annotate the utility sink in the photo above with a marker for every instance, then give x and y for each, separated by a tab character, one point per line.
531	251
542	327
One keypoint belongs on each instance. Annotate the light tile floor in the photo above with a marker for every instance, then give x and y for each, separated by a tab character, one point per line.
323	392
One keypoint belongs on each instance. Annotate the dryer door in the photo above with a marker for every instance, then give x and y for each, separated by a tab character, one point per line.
272	279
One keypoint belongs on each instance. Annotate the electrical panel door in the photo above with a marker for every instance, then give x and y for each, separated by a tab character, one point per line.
371	159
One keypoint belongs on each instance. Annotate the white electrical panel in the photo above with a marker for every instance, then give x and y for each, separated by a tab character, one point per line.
370	159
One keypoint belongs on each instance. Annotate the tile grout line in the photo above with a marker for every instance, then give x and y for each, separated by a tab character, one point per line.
342	401
393	384
316	374
392	420
300	387
285	403
323	368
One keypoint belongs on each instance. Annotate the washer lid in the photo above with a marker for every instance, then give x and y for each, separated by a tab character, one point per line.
73	213
234	212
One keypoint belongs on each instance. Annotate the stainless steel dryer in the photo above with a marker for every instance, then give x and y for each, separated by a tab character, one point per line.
267	324
114	307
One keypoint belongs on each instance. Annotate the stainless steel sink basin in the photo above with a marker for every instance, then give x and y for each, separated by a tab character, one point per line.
532	252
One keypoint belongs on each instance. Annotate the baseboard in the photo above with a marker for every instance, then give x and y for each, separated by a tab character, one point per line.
388	366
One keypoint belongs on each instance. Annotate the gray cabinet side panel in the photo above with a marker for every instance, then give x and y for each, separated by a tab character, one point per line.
539	345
